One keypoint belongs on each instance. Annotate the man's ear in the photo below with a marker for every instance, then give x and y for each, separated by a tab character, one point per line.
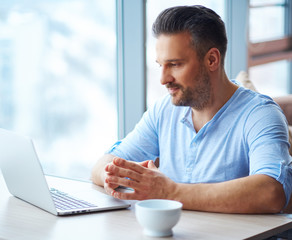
213	59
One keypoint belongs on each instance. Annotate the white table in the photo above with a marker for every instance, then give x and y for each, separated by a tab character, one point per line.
20	220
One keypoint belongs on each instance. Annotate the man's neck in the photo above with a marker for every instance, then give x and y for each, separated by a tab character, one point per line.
222	91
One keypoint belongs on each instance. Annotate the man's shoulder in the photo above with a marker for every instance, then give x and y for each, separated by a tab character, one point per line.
254	106
164	103
249	97
248	104
162	100
164	108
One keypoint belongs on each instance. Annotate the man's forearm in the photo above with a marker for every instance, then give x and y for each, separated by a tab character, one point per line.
252	194
97	173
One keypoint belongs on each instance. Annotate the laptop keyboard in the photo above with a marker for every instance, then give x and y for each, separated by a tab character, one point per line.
64	201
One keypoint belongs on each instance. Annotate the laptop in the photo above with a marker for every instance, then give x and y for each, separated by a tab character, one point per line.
25	180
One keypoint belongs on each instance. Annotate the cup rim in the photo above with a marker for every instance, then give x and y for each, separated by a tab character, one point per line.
175	205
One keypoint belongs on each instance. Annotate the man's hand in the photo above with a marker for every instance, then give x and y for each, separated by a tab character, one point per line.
144	178
256	193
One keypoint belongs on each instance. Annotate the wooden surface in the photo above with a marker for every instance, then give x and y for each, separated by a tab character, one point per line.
20	220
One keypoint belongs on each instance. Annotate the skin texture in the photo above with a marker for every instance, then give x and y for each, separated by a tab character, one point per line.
203	85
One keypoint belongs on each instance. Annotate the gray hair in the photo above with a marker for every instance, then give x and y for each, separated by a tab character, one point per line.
205	26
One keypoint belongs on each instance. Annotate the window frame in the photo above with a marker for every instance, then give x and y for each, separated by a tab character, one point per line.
131	63
275	50
236	20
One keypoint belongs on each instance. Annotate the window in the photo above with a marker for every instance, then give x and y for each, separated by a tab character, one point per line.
153	8
271	74
270	49
58	79
267	20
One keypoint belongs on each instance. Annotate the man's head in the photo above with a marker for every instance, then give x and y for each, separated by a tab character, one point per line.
184	75
203	24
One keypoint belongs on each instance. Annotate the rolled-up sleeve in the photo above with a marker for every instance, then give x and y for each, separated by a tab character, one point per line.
285	177
267	136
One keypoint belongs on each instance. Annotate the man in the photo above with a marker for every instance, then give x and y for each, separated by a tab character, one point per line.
221	147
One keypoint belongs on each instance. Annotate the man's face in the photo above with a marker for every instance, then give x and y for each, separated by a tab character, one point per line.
185	77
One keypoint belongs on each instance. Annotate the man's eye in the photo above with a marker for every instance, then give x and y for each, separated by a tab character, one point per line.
174	64
169	65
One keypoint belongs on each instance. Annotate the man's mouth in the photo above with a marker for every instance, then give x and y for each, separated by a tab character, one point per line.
172	90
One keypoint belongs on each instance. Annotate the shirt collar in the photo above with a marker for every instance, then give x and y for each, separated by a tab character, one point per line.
186	115
187	118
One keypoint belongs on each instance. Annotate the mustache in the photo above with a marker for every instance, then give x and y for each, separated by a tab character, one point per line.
173	85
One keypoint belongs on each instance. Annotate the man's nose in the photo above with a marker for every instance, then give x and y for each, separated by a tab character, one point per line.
166	77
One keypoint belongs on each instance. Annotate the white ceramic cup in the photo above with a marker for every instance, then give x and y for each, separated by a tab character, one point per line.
158	216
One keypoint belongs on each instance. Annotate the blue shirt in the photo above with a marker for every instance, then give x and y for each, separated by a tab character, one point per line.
248	135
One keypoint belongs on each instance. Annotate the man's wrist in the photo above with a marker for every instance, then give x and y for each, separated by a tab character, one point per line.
174	192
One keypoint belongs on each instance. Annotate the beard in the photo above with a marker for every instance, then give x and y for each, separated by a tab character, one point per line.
197	97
